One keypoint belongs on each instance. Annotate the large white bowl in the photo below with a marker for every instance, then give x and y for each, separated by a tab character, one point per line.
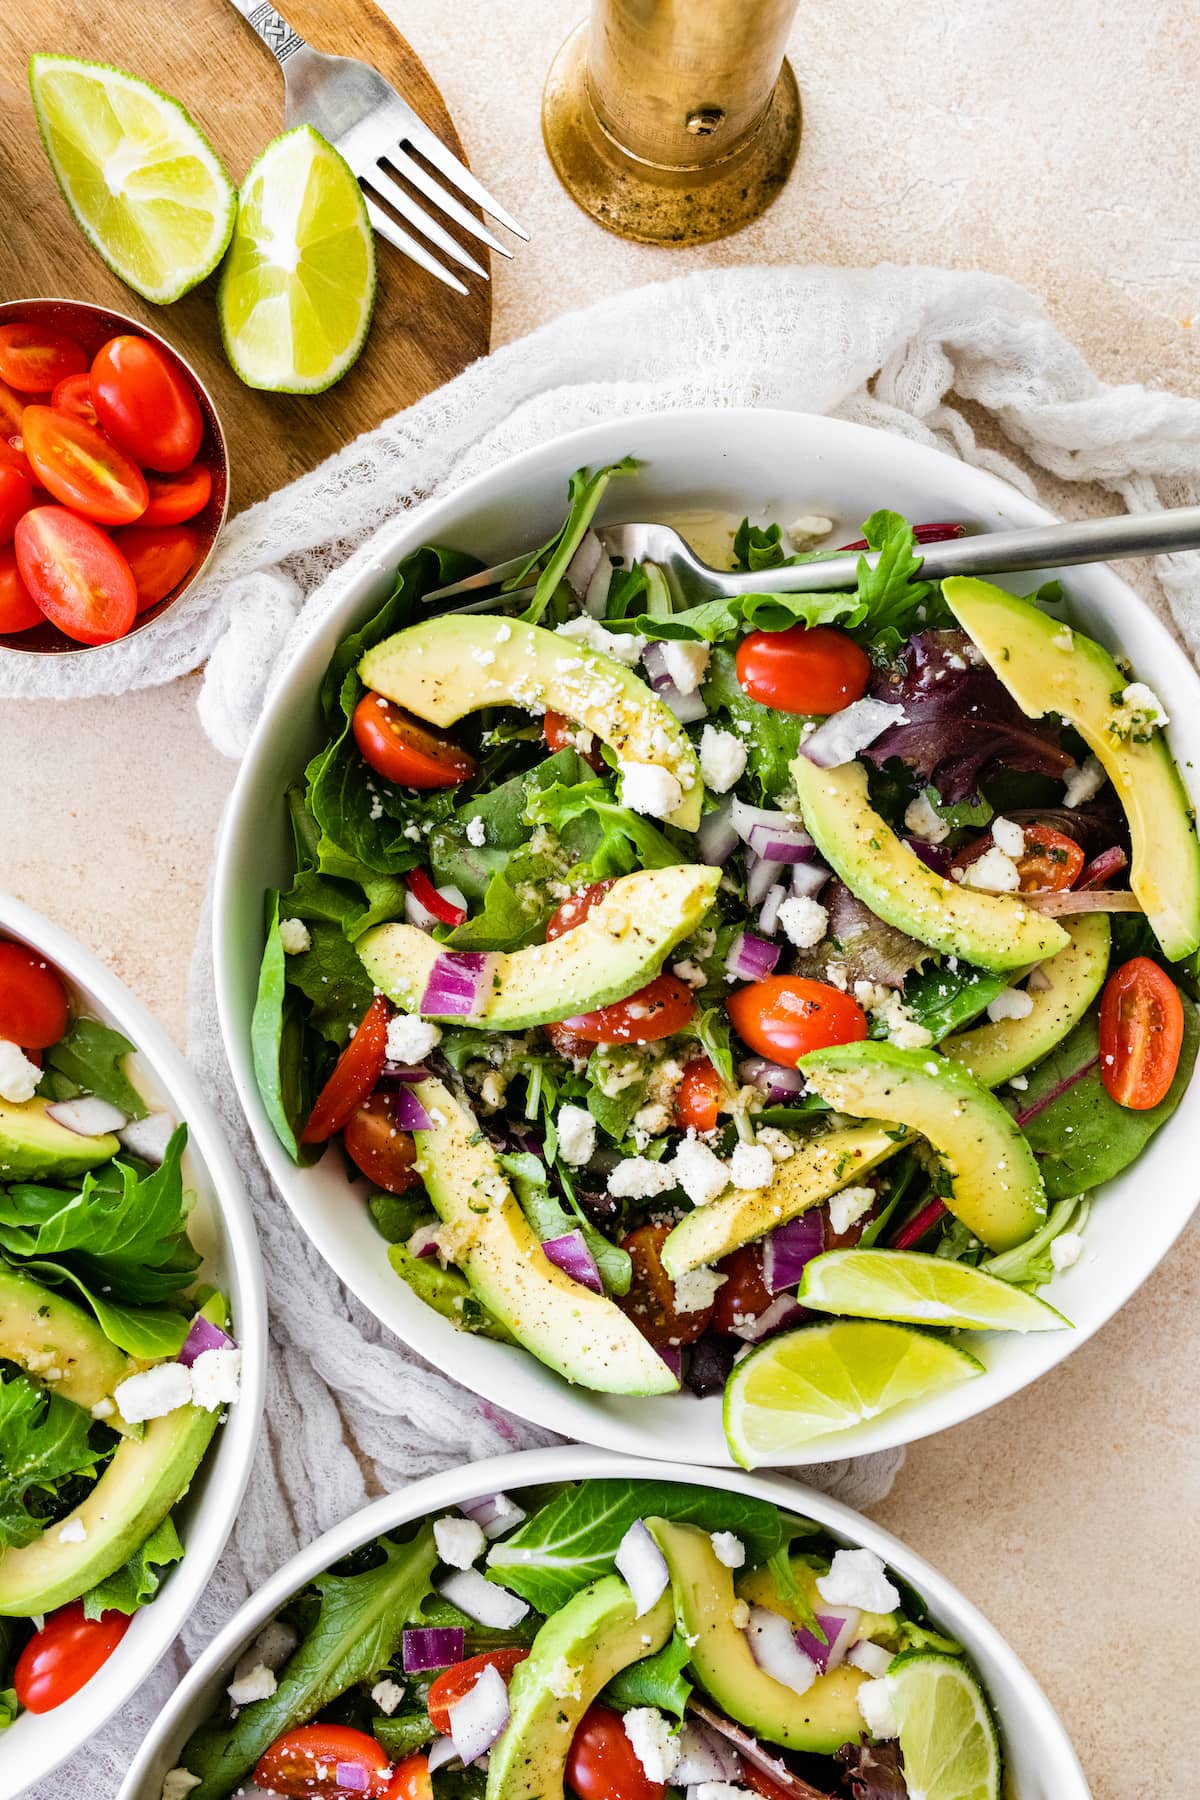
223	1230
778	465
1041	1762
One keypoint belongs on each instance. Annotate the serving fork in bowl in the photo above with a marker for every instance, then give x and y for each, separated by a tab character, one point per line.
382	137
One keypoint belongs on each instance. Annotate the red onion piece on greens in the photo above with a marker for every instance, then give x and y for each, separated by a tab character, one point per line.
704	1756
789	1248
482	1600
440	1752
432	1647
751	958
643	1566
1102	868
768	918
409	1114
493	1513
88	1116
808	878
773	1645
845	733
477	1720
761	876
934	856
672	1355
203	1335
776	1081
717	837
839	1627
425	1241
455	983
687	708
785	843
148	1138
1072	900
784	1310
351	1778
571	1254
654	661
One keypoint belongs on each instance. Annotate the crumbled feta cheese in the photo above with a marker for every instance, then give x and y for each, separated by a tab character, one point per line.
689	971
685	663
697	1290
216	1378
875	1705
771	1138
1013	1003
153	1393
722	758
1065	1250
858	1578
648	788
905	1032
638	1178
387	1696
1084	781
920	821
576	1134
73	1532
871	1658
178	1784
805	921
492	1089
1020	1082
623	646
993	871
1008	836
719	1790
257	1683
700	1173
18	1076
751	1165
651	1121
728	1549
810	526
739	1615
564	1681
103	1409
1064	638
889	1009
294	936
654	1744
410	1039
459	1541
1144	704
476	832
847	1206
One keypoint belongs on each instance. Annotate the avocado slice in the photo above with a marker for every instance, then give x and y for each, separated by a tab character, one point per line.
996	1188
620	946
445	668
575	1654
997	931
40	1330
819	1168
34	1147
995	1052
1048	667
581	1334
819	1721
759	1588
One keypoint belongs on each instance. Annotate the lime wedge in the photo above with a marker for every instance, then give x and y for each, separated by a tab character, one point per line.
142	181
299	281
805	1384
946	1730
921	1290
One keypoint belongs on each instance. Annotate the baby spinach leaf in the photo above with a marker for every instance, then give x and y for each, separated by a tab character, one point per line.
151	1332
90	1059
137	1581
550	1219
943	999
447	1291
613	1112
404	1733
277	1044
42	1438
331	976
657	1680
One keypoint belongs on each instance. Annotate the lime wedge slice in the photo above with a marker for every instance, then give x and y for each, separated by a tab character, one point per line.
947	1733
299	281
804	1384
921	1290
142	181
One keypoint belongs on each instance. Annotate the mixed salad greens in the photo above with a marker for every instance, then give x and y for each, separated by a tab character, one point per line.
748	996
116	1363
620	1638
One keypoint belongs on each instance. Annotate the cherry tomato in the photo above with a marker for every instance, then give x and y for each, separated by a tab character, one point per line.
760	1783
425	894
575	1049
560	734
358	1069
406	750
12	405
64	1655
18	608
33	360
658	1010
81	468
174	498
377	1146
160	558
76	574
743	1296
33	1000
411	1780
805	669
12	454
650	1302
73	396
1141	1034
456	1682
1049	862
304	1762
602	1764
575	909
701	1092
786	1016
146	405
16	497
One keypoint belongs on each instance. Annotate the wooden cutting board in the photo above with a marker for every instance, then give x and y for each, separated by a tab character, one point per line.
205	54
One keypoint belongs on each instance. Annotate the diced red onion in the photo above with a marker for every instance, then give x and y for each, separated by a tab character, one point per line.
148	1138
687	708
409	1114
716	837
785	1309
672	1355
571	1254
203	1335
705	1756
89	1116
404	1072
839	1626
440	1752
751	958
477	1720
1102	868
424	1241
643	1566
768	918
934	856
774	1648
808	878
352	1777
493	1513
654	661
746	817
845	733
455	984
432	1647
1071	900
1039	982
760	876
584	563
788	1249
776	1081
786	843
482	1600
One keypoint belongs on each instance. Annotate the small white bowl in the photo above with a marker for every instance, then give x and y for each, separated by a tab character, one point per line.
776	465
1041	1762
222	1229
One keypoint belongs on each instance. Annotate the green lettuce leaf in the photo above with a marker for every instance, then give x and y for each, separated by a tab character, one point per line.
42	1439
332	978
283	1068
657	1680
90	1059
136	1582
149	1332
627	840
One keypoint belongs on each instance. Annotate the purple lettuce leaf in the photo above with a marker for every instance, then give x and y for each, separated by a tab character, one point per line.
861	943
872	1772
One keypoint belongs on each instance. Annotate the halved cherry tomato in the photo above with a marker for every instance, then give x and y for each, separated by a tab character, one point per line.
33	1001
160	556
12	405
73	396
12	454
411	1780
358	1069
602	1764
423	891
760	1783
33	360
64	1655
1050	861
16	497
575	1049
575	909
376	1145
76	574
174	498
1141	1034
701	1092
18	608
805	669
456	1682
81	468
743	1296
560	734
658	1010
786	1016
304	1762
406	750
650	1302
145	404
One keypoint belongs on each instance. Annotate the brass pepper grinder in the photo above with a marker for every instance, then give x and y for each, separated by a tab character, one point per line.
674	121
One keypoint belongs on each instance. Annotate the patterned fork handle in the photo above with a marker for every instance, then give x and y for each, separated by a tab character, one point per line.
281	39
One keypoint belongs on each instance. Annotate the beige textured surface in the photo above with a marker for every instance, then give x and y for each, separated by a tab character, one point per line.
1055	144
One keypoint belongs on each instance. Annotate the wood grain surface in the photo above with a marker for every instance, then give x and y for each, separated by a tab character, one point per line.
205	54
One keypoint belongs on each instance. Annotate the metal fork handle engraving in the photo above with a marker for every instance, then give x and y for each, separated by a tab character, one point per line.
281	39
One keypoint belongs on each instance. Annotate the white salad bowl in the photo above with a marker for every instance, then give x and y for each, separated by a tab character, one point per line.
1040	1761
772	465
222	1229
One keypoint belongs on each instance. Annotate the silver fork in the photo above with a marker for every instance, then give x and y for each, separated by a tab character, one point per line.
987	553
364	117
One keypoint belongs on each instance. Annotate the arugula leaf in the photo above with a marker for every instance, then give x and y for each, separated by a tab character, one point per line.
331	976
42	1438
712	1030
895	605
136	1582
573	1540
550	1219
657	1680
758	547
586	490
356	1633
627	842
90	1059
504	924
